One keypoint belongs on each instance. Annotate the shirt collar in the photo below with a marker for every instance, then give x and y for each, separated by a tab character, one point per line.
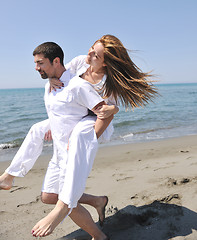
65	76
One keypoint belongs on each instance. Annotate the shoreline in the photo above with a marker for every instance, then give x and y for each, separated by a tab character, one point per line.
151	188
9	153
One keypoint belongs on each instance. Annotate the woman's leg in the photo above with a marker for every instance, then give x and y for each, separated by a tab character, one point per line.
27	154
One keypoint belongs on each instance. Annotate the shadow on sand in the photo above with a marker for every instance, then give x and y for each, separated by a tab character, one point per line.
156	221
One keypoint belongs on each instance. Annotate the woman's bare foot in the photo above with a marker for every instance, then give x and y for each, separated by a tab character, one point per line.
6	181
46	225
101	205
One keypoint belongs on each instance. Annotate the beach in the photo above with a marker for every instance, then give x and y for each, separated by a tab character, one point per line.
152	190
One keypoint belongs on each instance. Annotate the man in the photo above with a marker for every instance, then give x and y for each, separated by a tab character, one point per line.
65	108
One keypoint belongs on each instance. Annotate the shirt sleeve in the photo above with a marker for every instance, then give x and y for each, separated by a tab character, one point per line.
75	64
111	101
87	96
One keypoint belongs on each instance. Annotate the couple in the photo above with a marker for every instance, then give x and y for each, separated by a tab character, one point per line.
111	71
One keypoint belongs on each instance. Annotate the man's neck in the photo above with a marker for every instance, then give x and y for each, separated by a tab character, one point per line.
60	71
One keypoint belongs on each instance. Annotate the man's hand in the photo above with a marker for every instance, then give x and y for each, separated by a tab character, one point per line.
48	136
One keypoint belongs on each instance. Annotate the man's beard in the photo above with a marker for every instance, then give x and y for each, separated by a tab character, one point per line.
43	75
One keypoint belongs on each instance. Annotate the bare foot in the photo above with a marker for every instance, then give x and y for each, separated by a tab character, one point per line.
101	205
106	238
6	181
46	225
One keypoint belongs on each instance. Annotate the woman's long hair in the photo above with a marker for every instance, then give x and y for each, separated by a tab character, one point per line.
125	81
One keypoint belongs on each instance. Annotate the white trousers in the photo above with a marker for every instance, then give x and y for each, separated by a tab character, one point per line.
30	150
67	176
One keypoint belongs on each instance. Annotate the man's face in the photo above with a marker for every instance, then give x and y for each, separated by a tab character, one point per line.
44	66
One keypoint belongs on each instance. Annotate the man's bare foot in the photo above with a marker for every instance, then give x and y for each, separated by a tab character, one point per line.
46	225
106	238
101	205
6	181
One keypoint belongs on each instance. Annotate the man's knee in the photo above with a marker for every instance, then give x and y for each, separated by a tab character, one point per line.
49	198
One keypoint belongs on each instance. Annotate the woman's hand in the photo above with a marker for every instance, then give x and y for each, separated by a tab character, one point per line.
106	111
55	83
48	136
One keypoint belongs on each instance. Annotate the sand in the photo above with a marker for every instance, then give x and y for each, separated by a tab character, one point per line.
152	190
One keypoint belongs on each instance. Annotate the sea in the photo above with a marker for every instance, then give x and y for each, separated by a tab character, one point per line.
172	114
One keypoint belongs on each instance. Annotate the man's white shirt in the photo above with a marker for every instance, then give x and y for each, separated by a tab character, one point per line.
67	106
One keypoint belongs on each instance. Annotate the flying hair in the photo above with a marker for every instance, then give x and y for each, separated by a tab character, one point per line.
125	81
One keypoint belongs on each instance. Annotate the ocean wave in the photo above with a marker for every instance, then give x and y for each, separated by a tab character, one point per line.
127	135
17	143
12	144
128	123
20	120
155	130
145	131
8	145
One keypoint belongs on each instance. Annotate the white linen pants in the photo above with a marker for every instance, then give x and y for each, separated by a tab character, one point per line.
65	176
30	150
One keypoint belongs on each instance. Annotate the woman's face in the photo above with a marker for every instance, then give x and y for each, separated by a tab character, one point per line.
95	56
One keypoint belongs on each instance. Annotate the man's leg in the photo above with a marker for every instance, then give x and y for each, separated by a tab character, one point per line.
98	202
79	215
27	154
52	185
77	170
83	219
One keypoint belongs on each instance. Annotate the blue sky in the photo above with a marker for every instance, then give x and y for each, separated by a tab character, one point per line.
163	34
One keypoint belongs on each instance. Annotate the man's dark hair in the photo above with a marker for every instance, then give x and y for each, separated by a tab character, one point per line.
50	50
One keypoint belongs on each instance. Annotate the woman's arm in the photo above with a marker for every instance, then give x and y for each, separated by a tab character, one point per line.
102	123
74	66
106	111
55	83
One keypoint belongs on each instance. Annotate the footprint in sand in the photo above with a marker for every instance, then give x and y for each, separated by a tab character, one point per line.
174	182
124	179
184	180
112	210
184	151
18	188
38	198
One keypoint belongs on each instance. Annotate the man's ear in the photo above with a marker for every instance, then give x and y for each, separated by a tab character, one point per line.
56	61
